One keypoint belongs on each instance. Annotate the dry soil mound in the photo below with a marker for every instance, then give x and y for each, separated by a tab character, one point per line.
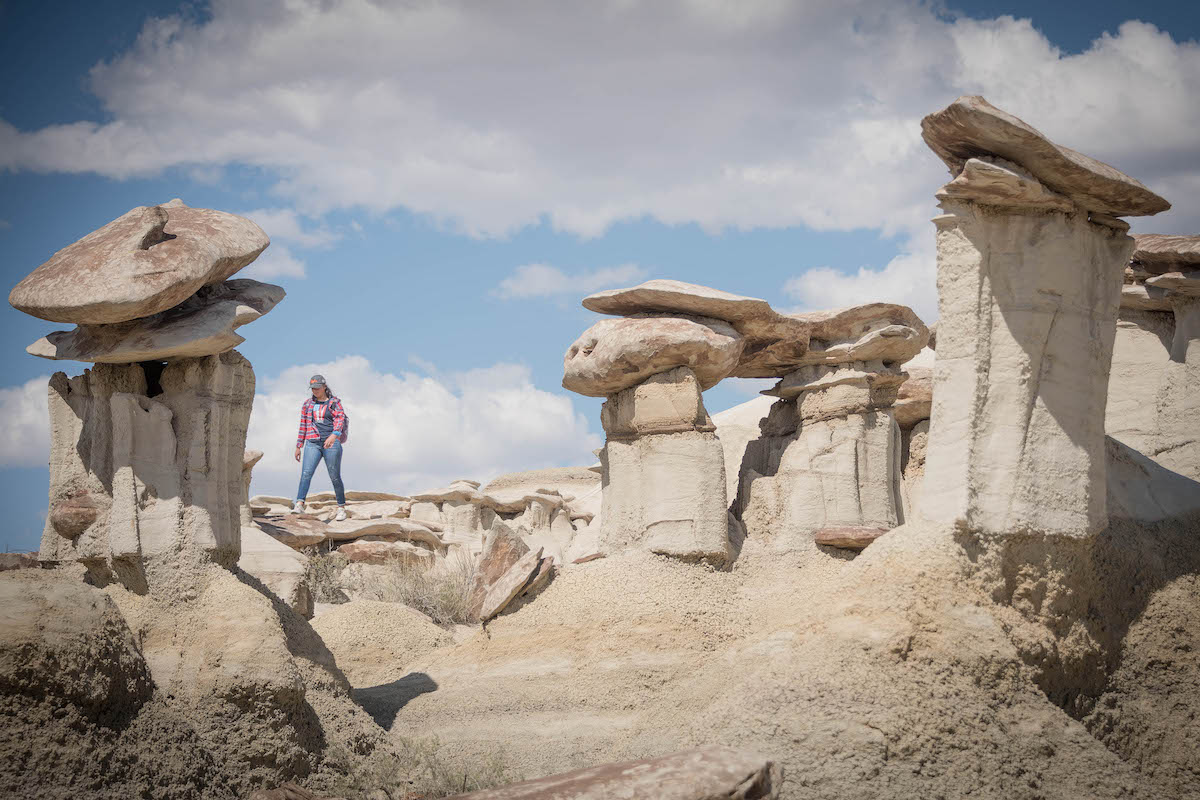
372	640
935	664
210	693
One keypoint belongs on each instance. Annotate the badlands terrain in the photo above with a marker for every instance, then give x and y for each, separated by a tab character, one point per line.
959	560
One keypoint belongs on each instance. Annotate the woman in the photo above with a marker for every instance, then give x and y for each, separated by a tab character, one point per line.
322	420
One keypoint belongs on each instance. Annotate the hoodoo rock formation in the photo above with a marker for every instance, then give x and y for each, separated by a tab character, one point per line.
1020	625
1153	404
1028	296
828	458
147	502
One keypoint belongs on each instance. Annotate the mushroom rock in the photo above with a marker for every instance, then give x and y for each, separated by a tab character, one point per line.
144	262
616	354
829	452
201	325
875	331
664	472
773	342
1154	391
972	128
1028	299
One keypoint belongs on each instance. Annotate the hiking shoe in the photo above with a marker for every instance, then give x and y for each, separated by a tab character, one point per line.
340	515
297	507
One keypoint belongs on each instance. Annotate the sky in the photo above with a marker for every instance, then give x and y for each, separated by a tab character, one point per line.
443	182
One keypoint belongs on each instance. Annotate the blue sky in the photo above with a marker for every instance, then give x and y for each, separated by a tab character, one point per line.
442	183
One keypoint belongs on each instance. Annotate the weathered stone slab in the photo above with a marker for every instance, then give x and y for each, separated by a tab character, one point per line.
848	537
201	325
502	548
540	579
509	585
874	331
1185	283
616	354
146	261
996	182
365	551
708	773
774	342
1163	252
1141	297
971	127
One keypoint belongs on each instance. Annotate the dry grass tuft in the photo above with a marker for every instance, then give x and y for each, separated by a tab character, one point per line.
440	594
325	574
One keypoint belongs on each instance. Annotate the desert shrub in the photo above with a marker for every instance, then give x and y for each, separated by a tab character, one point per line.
441	593
325	574
411	769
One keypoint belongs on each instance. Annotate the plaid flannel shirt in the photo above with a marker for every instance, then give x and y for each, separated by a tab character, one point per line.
308	431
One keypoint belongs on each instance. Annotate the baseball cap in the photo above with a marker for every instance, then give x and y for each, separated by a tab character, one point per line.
316	380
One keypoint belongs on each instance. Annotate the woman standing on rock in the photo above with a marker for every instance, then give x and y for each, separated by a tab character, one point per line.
323	427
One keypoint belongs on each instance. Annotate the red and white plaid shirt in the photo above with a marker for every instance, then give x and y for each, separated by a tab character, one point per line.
308	431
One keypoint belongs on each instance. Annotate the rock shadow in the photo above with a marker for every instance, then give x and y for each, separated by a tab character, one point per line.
384	702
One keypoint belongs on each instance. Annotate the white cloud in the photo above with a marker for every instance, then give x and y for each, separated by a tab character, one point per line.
287	224
5	224
491	116
543	280
906	279
277	261
28	422
410	432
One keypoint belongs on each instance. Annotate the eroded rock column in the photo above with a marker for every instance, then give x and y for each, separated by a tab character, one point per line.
147	476
827	466
1029	264
664	472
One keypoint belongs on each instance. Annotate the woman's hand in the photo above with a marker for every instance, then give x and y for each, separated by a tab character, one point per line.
332	438
298	451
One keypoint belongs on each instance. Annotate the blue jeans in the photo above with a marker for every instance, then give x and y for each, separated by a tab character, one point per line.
314	451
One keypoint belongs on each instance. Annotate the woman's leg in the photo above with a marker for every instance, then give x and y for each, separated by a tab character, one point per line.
311	457
333	463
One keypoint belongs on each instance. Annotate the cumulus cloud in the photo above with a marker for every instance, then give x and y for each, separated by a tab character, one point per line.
277	261
411	431
543	280
28	416
487	117
906	279
286	227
